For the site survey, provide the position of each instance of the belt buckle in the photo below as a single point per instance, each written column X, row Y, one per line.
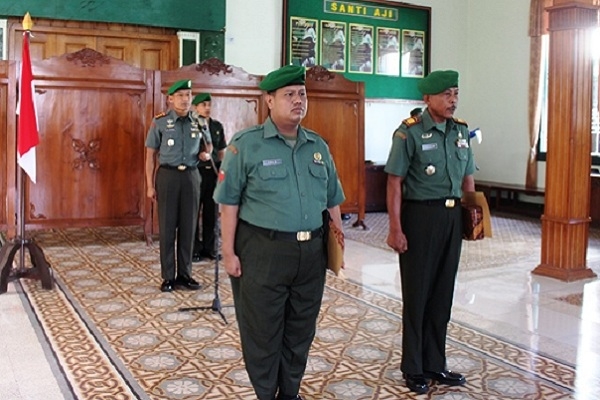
column 182, row 167
column 450, row 203
column 303, row 236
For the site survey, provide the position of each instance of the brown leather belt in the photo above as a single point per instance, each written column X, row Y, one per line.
column 300, row 236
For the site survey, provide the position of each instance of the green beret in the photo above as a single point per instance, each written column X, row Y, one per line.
column 200, row 98
column 183, row 84
column 284, row 76
column 438, row 81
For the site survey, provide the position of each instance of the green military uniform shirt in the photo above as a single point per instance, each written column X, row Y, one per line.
column 177, row 139
column 276, row 186
column 433, row 159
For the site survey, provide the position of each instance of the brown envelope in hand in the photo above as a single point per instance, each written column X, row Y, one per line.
column 474, row 200
column 335, row 245
column 335, row 249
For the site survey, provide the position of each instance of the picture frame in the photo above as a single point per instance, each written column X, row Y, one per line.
column 304, row 41
column 413, row 53
column 333, row 45
column 388, row 51
column 360, row 57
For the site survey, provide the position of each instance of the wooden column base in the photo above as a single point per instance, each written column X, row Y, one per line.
column 567, row 275
column 564, row 249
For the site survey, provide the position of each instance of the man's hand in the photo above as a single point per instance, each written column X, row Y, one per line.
column 232, row 265
column 397, row 241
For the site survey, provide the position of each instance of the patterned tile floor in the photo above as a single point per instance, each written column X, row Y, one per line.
column 108, row 332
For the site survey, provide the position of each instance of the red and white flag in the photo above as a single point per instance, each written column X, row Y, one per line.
column 27, row 133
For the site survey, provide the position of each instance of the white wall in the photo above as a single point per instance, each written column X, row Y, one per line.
column 486, row 41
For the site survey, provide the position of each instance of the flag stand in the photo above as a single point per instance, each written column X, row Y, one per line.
column 41, row 269
column 27, row 139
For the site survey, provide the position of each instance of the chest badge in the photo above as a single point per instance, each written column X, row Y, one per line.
column 427, row 135
column 430, row 169
column 170, row 124
column 317, row 158
column 170, row 142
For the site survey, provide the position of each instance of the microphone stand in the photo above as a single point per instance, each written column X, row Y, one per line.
column 216, row 303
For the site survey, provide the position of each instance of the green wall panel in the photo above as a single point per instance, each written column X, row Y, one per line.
column 195, row 15
column 375, row 14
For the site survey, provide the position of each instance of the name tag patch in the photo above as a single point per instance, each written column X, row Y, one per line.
column 269, row 163
column 429, row 146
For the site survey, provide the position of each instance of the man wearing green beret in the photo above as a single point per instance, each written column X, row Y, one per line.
column 209, row 169
column 275, row 183
column 175, row 138
column 429, row 167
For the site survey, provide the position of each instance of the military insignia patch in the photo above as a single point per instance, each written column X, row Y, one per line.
column 232, row 149
column 400, row 134
column 160, row 115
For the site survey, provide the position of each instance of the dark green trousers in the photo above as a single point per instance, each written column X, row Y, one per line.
column 428, row 271
column 178, row 197
column 277, row 301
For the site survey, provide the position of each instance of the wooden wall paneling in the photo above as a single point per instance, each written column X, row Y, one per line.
column 236, row 101
column 142, row 47
column 119, row 48
column 8, row 147
column 93, row 114
column 336, row 112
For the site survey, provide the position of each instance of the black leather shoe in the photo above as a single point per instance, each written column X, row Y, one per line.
column 188, row 283
column 446, row 378
column 167, row 286
column 196, row 257
column 416, row 383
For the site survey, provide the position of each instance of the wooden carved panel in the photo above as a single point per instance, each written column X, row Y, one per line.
column 143, row 47
column 93, row 112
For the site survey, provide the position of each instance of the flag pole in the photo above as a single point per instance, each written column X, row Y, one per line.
column 27, row 140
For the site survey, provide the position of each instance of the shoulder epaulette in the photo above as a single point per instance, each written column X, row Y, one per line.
column 460, row 121
column 160, row 115
column 411, row 121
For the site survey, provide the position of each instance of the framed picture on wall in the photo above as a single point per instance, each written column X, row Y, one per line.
column 303, row 41
column 333, row 45
column 388, row 51
column 3, row 39
column 413, row 53
column 360, row 59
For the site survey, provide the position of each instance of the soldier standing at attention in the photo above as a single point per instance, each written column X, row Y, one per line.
column 176, row 137
column 275, row 182
column 205, row 248
column 429, row 167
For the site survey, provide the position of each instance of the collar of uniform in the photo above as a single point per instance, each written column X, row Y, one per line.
column 270, row 130
column 174, row 115
column 428, row 122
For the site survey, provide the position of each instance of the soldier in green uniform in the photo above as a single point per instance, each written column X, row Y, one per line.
column 274, row 184
column 175, row 136
column 429, row 167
